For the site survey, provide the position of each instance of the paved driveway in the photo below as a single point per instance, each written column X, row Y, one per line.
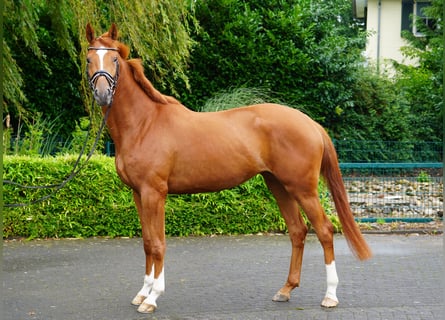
column 221, row 278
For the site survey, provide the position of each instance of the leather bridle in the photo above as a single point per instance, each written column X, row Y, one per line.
column 112, row 81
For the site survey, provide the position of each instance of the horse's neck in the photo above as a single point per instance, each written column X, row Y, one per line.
column 132, row 112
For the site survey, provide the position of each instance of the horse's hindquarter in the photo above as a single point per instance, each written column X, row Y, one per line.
column 220, row 150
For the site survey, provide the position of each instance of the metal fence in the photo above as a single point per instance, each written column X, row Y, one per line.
column 398, row 193
column 393, row 180
column 366, row 151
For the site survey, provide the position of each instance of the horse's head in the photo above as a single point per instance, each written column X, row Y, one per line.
column 103, row 64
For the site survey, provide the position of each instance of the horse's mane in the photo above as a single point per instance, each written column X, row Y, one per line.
column 138, row 71
column 139, row 76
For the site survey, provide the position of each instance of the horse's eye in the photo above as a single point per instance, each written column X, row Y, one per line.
column 115, row 59
column 88, row 60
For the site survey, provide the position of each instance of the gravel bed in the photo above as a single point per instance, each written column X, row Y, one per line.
column 433, row 227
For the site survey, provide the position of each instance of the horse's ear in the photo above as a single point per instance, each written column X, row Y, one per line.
column 112, row 33
column 90, row 33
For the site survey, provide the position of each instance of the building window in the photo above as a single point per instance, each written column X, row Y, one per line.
column 413, row 11
column 420, row 16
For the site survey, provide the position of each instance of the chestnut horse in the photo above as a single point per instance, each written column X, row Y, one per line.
column 163, row 147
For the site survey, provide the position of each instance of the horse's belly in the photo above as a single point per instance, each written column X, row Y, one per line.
column 202, row 178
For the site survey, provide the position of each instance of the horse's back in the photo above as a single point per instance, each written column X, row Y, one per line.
column 283, row 125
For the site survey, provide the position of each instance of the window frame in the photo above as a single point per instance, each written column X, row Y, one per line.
column 410, row 14
column 417, row 13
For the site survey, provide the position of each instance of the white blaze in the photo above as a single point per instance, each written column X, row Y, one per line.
column 101, row 53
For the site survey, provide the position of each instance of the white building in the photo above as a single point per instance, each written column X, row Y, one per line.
column 385, row 20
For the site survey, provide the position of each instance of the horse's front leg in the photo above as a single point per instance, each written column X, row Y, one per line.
column 150, row 207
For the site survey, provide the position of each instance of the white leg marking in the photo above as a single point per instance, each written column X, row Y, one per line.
column 148, row 284
column 332, row 281
column 157, row 289
column 146, row 289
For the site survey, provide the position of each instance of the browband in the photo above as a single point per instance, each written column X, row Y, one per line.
column 103, row 48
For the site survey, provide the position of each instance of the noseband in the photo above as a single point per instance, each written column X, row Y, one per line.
column 112, row 81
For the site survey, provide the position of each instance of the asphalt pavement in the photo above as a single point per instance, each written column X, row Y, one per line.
column 222, row 278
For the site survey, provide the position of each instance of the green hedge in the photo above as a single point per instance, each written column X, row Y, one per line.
column 97, row 203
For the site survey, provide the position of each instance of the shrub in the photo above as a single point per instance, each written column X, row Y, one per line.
column 97, row 203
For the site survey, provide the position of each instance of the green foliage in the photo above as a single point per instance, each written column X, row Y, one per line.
column 20, row 21
column 381, row 221
column 422, row 91
column 423, row 177
column 302, row 52
column 421, row 85
column 96, row 203
column 309, row 56
column 47, row 77
column 44, row 50
column 52, row 87
column 43, row 138
column 248, row 208
column 79, row 135
column 102, row 206
column 374, row 151
column 376, row 101
column 160, row 36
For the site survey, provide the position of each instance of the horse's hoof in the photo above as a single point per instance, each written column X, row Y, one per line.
column 280, row 297
column 137, row 301
column 146, row 308
column 329, row 303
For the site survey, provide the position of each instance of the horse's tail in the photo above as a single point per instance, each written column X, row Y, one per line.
column 330, row 170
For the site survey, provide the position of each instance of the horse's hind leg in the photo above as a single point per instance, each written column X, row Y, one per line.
column 297, row 232
column 325, row 232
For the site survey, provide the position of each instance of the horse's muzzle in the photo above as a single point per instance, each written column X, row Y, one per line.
column 104, row 85
column 104, row 98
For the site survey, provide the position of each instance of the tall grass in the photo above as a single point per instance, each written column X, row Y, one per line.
column 41, row 137
column 238, row 97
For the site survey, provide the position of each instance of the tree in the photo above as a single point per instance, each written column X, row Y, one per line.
column 304, row 52
column 309, row 55
column 41, row 35
column 421, row 85
column 379, row 113
column 20, row 22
